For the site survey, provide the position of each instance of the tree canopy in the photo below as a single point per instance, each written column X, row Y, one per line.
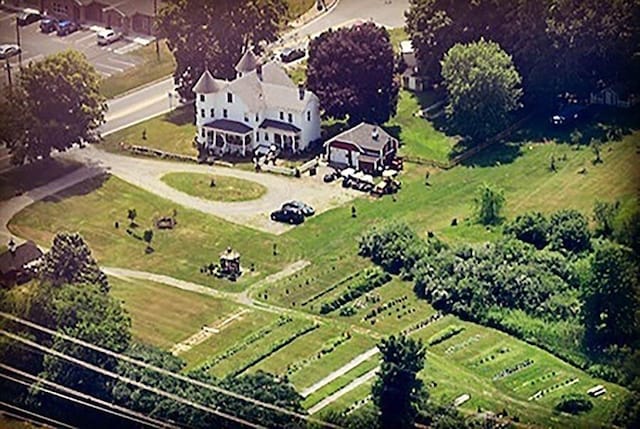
column 55, row 103
column 351, row 70
column 483, row 87
column 215, row 34
column 397, row 391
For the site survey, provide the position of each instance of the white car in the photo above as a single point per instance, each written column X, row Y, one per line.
column 108, row 36
column 8, row 50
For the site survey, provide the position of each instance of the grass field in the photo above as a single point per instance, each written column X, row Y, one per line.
column 149, row 69
column 226, row 188
column 298, row 7
column 93, row 207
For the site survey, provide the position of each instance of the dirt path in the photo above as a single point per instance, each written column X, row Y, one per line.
column 340, row 371
column 346, row 389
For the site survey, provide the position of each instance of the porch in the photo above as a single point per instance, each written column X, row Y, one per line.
column 224, row 136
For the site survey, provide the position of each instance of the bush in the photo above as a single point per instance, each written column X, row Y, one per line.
column 569, row 231
column 574, row 403
column 532, row 228
column 489, row 204
column 394, row 246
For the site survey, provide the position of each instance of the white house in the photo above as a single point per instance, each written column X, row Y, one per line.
column 262, row 106
column 364, row 147
column 411, row 78
column 617, row 96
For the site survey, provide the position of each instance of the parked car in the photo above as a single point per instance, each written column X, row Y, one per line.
column 108, row 36
column 67, row 27
column 330, row 177
column 292, row 54
column 304, row 208
column 8, row 51
column 288, row 215
column 48, row 24
column 29, row 16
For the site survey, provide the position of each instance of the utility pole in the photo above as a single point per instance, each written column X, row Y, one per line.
column 155, row 26
column 9, row 74
column 18, row 42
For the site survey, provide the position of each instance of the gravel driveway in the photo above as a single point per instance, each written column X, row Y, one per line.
column 146, row 174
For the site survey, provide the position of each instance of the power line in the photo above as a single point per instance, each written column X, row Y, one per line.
column 31, row 415
column 84, row 399
column 129, row 380
column 166, row 372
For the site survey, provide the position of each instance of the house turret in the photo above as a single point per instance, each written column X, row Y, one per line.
column 206, row 84
column 248, row 63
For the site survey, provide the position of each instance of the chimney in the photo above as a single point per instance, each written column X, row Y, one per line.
column 12, row 246
column 374, row 133
column 259, row 71
column 301, row 91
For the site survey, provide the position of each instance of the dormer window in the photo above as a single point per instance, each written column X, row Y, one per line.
column 229, row 97
column 202, row 98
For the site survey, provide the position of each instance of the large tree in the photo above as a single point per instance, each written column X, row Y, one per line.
column 612, row 298
column 483, row 87
column 352, row 72
column 57, row 102
column 214, row 34
column 397, row 391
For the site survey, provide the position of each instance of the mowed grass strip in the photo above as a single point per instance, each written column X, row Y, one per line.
column 162, row 315
column 216, row 188
column 93, row 207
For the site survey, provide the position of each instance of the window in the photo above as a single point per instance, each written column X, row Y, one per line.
column 225, row 113
column 213, row 112
column 309, row 115
column 266, row 137
column 202, row 98
column 290, row 117
column 202, row 132
column 246, row 118
column 258, row 136
column 257, row 117
column 229, row 97
column 282, row 116
column 202, row 112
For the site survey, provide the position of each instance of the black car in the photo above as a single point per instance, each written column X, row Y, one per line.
column 29, row 16
column 48, row 24
column 303, row 208
column 288, row 215
column 67, row 27
column 290, row 55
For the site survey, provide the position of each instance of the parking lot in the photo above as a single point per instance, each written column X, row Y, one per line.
column 107, row 60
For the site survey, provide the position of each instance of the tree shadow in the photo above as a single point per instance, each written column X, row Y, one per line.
column 497, row 154
column 183, row 115
column 85, row 187
column 33, row 175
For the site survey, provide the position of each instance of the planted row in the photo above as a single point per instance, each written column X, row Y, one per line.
column 443, row 336
column 275, row 347
column 238, row 347
column 513, row 369
column 384, row 307
column 371, row 279
column 331, row 288
column 422, row 324
column 540, row 393
column 326, row 349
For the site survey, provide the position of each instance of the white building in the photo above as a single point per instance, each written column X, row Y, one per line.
column 411, row 78
column 260, row 107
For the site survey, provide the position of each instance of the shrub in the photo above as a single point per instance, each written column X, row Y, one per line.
column 574, row 403
column 369, row 280
column 488, row 205
column 532, row 228
column 394, row 246
column 569, row 231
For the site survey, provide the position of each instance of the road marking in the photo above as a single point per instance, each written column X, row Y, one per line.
column 103, row 73
column 126, row 63
column 127, row 48
column 109, row 67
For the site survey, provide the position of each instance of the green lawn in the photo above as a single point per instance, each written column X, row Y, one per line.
column 162, row 315
column 149, row 69
column 170, row 132
column 226, row 188
column 298, row 7
column 30, row 176
column 93, row 207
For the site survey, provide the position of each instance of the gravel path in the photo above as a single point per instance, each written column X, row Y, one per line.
column 346, row 389
column 146, row 174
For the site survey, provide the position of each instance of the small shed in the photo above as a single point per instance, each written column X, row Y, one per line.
column 230, row 262
column 17, row 265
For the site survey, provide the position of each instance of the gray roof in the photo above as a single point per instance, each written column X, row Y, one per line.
column 362, row 136
column 248, row 62
column 229, row 125
column 207, row 84
column 21, row 256
column 274, row 90
column 284, row 126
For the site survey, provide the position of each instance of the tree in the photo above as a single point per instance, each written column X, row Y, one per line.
column 596, row 146
column 604, row 214
column 351, row 70
column 569, row 231
column 483, row 87
column 394, row 246
column 131, row 215
column 59, row 99
column 611, row 310
column 148, row 236
column 397, row 391
column 574, row 403
column 215, row 33
column 532, row 228
column 70, row 262
column 488, row 205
